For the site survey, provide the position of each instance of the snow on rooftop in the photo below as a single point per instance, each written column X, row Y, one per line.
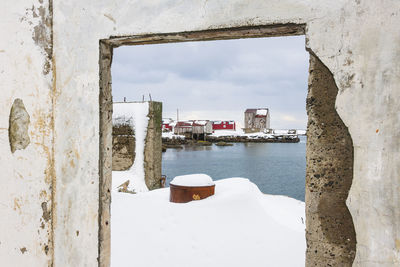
column 193, row 180
column 262, row 112
column 167, row 120
column 238, row 226
column 218, row 133
column 200, row 122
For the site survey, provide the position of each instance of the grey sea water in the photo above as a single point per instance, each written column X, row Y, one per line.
column 276, row 168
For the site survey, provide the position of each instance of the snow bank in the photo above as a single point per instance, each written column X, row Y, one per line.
column 193, row 180
column 238, row 226
column 220, row 133
column 135, row 114
column 171, row 135
column 256, row 135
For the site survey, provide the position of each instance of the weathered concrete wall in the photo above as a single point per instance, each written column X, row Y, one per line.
column 356, row 39
column 26, row 133
column 331, row 239
column 123, row 154
column 361, row 50
column 152, row 148
column 123, row 147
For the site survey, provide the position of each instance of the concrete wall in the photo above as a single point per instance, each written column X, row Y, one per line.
column 26, row 174
column 331, row 239
column 123, row 147
column 59, row 85
column 153, row 145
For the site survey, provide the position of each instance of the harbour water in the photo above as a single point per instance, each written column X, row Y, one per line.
column 276, row 168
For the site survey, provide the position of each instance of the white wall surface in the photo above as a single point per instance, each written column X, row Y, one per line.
column 25, row 175
column 358, row 41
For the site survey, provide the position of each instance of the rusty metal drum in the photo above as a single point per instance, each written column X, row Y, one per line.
column 187, row 188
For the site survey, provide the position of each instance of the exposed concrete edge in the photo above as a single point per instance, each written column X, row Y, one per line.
column 273, row 30
column 105, row 156
column 345, row 195
column 105, row 100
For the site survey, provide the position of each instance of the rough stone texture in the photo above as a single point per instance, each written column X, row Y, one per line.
column 123, row 154
column 153, row 144
column 330, row 231
column 18, row 127
column 103, row 239
column 123, row 147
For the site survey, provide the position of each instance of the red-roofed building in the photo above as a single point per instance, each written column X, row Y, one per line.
column 183, row 128
column 167, row 125
column 224, row 125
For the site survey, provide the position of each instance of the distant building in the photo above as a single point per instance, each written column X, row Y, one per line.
column 202, row 127
column 183, row 128
column 196, row 129
column 223, row 125
column 256, row 119
column 167, row 125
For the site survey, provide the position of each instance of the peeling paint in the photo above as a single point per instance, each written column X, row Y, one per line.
column 42, row 35
column 46, row 213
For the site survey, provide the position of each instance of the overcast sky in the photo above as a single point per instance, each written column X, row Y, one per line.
column 218, row 80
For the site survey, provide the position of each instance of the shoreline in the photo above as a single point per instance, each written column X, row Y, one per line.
column 209, row 140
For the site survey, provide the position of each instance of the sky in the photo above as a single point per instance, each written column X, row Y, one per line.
column 218, row 80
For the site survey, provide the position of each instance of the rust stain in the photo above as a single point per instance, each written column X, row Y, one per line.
column 23, row 250
column 377, row 131
column 72, row 163
column 29, row 60
column 196, row 197
column 397, row 241
column 43, row 194
column 18, row 174
column 76, row 153
column 17, row 204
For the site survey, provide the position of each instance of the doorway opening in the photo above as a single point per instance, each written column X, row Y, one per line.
column 324, row 182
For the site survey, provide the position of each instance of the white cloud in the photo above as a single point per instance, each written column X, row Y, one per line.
column 218, row 80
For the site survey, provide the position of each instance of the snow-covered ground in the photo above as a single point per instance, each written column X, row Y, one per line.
column 238, row 226
column 239, row 132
